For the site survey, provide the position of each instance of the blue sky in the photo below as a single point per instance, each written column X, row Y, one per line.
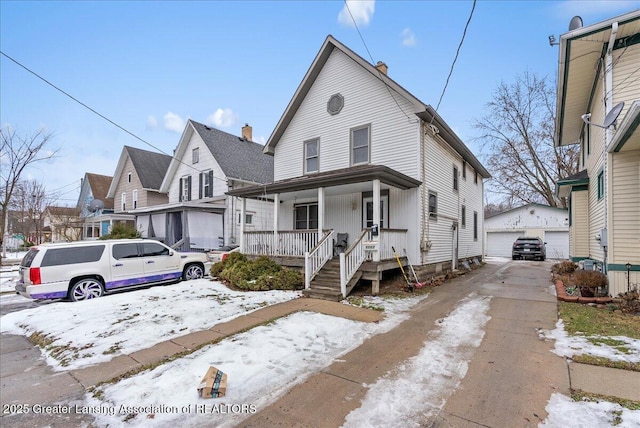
column 149, row 66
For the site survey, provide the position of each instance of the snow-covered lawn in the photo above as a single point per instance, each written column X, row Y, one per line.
column 93, row 331
column 568, row 346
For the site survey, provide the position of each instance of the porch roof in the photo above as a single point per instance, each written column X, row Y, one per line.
column 338, row 177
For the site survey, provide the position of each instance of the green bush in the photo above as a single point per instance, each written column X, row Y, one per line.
column 285, row 279
column 262, row 274
column 122, row 231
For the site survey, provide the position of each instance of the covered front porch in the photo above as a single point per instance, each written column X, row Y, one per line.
column 355, row 216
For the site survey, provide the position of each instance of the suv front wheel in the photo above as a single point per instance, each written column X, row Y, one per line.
column 193, row 271
column 86, row 288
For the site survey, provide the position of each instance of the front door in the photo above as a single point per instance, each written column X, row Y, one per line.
column 367, row 211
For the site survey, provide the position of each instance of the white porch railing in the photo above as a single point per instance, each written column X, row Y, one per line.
column 290, row 243
column 392, row 238
column 314, row 260
column 351, row 260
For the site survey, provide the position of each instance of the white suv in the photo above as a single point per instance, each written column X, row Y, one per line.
column 88, row 269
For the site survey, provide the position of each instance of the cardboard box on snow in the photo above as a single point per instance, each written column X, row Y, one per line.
column 213, row 384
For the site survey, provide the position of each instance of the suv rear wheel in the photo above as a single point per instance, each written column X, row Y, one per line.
column 85, row 288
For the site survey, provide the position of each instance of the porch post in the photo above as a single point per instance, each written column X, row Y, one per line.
column 376, row 217
column 276, row 211
column 243, row 210
column 320, row 212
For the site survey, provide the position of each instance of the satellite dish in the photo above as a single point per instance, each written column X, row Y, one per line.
column 95, row 205
column 609, row 119
column 575, row 23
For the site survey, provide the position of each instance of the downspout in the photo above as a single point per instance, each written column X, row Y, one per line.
column 608, row 87
column 425, row 202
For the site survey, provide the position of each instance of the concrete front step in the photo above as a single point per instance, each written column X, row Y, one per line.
column 335, row 296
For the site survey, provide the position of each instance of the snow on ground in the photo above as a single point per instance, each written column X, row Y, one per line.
column 97, row 330
column 564, row 412
column 410, row 395
column 8, row 278
column 261, row 365
column 568, row 346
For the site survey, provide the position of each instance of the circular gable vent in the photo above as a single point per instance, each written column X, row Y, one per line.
column 335, row 104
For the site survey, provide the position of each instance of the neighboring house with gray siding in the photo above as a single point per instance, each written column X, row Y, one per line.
column 207, row 163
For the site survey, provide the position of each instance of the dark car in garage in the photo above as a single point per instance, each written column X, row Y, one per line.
column 529, row 248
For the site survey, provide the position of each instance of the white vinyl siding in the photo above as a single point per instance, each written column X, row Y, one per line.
column 625, row 213
column 625, row 80
column 394, row 138
column 579, row 231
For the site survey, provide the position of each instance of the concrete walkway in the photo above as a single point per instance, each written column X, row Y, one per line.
column 508, row 383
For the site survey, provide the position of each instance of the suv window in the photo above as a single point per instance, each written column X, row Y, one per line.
column 65, row 256
column 150, row 249
column 534, row 241
column 28, row 258
column 125, row 251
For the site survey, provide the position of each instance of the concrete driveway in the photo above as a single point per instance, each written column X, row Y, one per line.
column 508, row 383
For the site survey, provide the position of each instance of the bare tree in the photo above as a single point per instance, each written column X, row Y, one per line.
column 517, row 131
column 17, row 152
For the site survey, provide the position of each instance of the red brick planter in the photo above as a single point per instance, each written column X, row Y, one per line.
column 562, row 296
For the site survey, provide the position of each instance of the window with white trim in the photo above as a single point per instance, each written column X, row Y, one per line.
column 311, row 156
column 455, row 178
column 129, row 178
column 463, row 216
column 433, row 205
column 124, row 201
column 195, row 155
column 135, row 199
column 184, row 192
column 305, row 216
column 360, row 145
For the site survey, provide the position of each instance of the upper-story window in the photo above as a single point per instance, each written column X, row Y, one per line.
column 311, row 155
column 464, row 170
column 455, row 177
column 475, row 178
column 433, row 205
column 129, row 178
column 195, row 155
column 135, row 199
column 206, row 184
column 360, row 144
column 601, row 187
column 185, row 189
column 463, row 216
column 124, row 201
column 475, row 225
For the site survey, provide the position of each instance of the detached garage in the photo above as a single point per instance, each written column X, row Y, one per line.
column 532, row 220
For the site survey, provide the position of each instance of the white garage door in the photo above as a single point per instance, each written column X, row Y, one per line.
column 557, row 244
column 499, row 244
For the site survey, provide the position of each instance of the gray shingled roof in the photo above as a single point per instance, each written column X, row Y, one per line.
column 99, row 185
column 238, row 158
column 150, row 166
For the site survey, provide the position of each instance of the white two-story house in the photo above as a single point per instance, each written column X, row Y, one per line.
column 207, row 163
column 598, row 107
column 362, row 167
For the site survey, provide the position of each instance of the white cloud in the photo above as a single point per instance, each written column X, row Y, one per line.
column 173, row 122
column 152, row 122
column 361, row 10
column 260, row 140
column 408, row 38
column 222, row 118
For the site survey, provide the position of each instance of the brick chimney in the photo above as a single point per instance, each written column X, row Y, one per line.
column 382, row 67
column 247, row 132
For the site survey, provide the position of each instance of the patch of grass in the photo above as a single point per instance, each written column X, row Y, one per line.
column 579, row 395
column 605, row 362
column 619, row 345
column 41, row 339
column 359, row 302
column 113, row 349
column 130, row 317
column 592, row 321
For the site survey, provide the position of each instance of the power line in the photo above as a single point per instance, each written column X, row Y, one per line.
column 99, row 114
column 372, row 61
column 464, row 33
